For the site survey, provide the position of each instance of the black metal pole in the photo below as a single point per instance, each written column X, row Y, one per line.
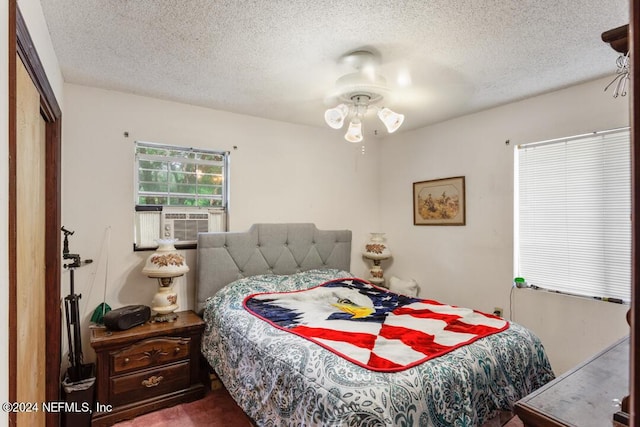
column 73, row 322
column 67, row 309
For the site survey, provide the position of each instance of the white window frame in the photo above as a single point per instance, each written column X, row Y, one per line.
column 572, row 207
column 152, row 221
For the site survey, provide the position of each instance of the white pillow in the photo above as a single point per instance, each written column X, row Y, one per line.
column 404, row 287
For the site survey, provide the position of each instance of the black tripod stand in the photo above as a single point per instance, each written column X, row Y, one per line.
column 77, row 371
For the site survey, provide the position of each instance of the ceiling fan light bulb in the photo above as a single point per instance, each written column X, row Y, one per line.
column 354, row 133
column 335, row 116
column 390, row 119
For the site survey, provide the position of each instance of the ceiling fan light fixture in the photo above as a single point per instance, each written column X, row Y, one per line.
column 354, row 133
column 359, row 91
column 335, row 116
column 391, row 119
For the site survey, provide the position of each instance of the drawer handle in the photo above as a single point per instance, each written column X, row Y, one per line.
column 126, row 360
column 152, row 381
column 177, row 350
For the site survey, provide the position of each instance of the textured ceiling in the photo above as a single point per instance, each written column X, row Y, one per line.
column 280, row 59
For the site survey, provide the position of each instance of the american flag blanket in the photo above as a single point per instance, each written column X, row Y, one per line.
column 372, row 327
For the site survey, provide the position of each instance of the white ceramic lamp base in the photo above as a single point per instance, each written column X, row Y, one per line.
column 164, row 303
column 376, row 273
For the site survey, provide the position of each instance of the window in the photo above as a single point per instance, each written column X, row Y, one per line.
column 179, row 192
column 573, row 215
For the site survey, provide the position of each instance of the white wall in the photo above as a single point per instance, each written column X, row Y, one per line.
column 472, row 265
column 279, row 173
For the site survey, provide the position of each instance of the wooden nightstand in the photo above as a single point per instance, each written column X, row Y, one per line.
column 146, row 368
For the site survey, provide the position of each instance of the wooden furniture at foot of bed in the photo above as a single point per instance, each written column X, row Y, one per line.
column 584, row 396
column 146, row 368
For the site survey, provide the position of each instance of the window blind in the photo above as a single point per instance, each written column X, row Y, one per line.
column 573, row 209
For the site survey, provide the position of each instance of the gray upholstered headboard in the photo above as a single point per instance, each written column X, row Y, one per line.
column 266, row 249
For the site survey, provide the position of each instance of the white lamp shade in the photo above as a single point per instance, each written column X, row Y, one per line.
column 390, row 119
column 376, row 248
column 354, row 133
column 335, row 116
column 165, row 261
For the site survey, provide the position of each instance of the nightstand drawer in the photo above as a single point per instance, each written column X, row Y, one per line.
column 149, row 353
column 150, row 383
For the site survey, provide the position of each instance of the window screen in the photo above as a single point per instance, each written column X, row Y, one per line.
column 573, row 215
column 179, row 192
column 178, row 176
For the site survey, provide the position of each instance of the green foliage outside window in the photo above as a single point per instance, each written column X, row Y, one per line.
column 172, row 176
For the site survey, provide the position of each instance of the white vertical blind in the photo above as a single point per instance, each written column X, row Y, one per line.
column 147, row 229
column 573, row 207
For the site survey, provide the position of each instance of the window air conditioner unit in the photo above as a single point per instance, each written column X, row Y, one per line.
column 182, row 224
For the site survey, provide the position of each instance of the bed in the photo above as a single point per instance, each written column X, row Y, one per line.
column 279, row 378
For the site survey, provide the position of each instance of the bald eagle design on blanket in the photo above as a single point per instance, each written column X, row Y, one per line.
column 372, row 327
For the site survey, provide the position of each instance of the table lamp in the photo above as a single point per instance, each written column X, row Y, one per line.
column 165, row 264
column 376, row 249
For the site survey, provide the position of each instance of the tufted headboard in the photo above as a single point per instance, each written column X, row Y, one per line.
column 266, row 249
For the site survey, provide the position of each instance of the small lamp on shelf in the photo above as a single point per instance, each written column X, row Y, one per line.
column 165, row 264
column 376, row 250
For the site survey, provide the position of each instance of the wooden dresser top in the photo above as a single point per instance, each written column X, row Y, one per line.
column 583, row 396
column 187, row 322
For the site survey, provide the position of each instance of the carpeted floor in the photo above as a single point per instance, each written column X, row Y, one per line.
column 514, row 422
column 216, row 409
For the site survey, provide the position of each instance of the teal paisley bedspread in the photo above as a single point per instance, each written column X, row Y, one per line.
column 281, row 379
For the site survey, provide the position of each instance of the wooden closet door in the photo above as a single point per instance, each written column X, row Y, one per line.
column 30, row 248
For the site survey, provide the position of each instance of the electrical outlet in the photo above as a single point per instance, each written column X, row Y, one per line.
column 497, row 311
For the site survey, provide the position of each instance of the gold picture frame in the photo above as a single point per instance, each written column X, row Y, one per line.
column 439, row 202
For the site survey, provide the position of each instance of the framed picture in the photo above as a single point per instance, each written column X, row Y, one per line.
column 439, row 202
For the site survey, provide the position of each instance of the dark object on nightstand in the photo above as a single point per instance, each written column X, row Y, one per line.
column 127, row 317
column 146, row 368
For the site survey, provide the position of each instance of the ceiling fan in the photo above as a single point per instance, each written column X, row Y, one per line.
column 359, row 92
